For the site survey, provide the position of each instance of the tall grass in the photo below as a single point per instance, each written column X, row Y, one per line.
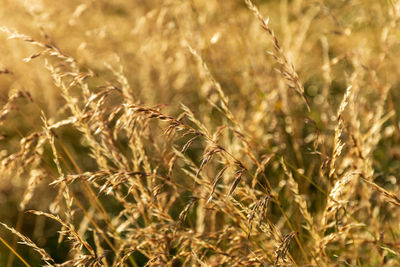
column 199, row 133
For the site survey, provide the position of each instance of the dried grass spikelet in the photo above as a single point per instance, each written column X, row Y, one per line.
column 110, row 149
column 301, row 202
column 124, row 251
column 236, row 181
column 286, row 67
column 142, row 158
column 337, row 144
column 189, row 143
column 126, row 90
column 48, row 49
column 63, row 187
column 178, row 125
column 10, row 104
column 205, row 71
column 281, row 251
column 174, row 124
column 31, row 147
column 84, row 260
column 209, row 153
column 106, row 181
column 390, row 197
column 215, row 182
column 99, row 250
column 28, row 242
column 184, row 212
column 201, row 127
column 193, row 167
column 212, row 149
column 28, row 158
column 261, row 167
column 338, row 196
column 368, row 141
column 99, row 150
column 261, row 205
column 342, row 232
column 77, row 241
column 35, row 176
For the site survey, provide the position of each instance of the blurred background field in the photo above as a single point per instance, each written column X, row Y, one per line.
column 188, row 133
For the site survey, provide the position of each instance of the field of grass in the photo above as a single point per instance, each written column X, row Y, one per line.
column 199, row 133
